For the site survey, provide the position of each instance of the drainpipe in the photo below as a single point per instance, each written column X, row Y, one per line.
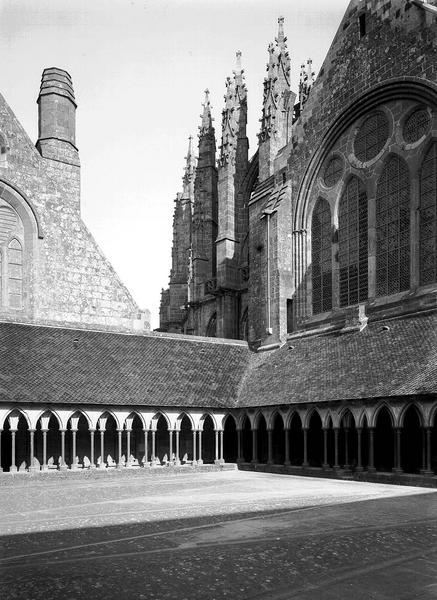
column 269, row 322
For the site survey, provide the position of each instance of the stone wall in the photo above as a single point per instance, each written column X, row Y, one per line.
column 72, row 282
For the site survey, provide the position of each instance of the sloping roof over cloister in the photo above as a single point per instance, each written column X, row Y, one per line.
column 396, row 357
column 52, row 365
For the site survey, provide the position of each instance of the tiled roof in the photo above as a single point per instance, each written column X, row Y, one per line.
column 376, row 362
column 42, row 364
column 48, row 365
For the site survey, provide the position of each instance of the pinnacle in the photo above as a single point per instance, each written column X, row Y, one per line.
column 206, row 115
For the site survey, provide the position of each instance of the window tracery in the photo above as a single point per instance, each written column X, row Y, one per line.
column 352, row 243
column 321, row 257
column 417, row 125
column 428, row 218
column 393, row 228
column 371, row 136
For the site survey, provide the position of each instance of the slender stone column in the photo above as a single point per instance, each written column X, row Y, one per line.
column 92, row 465
column 13, row 465
column 178, row 460
column 287, row 447
column 102, row 449
column 128, row 447
column 305, row 447
column 371, row 465
column 269, row 447
column 222, row 460
column 44, row 450
column 336, row 465
column 153, row 444
column 194, row 447
column 146, row 447
column 325, row 448
column 397, row 457
column 216, row 445
column 32, row 449
column 73, row 465
column 200, row 460
column 170, row 445
column 254, row 446
column 240, row 457
column 119, row 434
column 63, row 465
column 359, row 459
column 346, row 448
column 1, row 468
column 429, row 470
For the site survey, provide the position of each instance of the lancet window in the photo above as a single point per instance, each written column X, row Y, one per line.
column 428, row 217
column 321, row 257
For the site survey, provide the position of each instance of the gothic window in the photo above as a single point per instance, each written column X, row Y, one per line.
column 428, row 217
column 417, row 125
column 11, row 258
column 393, row 228
column 15, row 274
column 321, row 257
column 371, row 136
column 352, row 243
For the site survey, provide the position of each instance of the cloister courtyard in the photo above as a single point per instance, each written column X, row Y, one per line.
column 211, row 533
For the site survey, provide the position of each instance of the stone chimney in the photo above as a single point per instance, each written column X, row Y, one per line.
column 57, row 117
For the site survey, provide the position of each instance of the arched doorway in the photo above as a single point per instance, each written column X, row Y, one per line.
column 411, row 442
column 246, row 434
column 262, row 442
column 315, row 441
column 296, row 440
column 230, row 440
column 347, row 441
column 384, row 441
column 208, row 440
column 161, row 439
column 278, row 440
column 137, row 449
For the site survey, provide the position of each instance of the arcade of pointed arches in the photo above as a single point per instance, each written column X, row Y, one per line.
column 385, row 436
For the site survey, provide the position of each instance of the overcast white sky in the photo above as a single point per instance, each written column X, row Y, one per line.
column 139, row 69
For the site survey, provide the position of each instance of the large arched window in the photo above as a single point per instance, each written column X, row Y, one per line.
column 428, row 217
column 352, row 243
column 321, row 257
column 393, row 228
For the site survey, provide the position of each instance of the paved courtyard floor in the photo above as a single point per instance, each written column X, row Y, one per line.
column 215, row 535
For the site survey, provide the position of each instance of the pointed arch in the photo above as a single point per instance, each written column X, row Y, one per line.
column 374, row 417
column 352, row 243
column 393, row 228
column 428, row 217
column 405, row 409
column 321, row 257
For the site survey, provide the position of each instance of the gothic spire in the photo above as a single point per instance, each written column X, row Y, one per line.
column 276, row 84
column 190, row 168
column 232, row 115
column 206, row 115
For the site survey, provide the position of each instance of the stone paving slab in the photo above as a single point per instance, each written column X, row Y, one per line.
column 217, row 535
